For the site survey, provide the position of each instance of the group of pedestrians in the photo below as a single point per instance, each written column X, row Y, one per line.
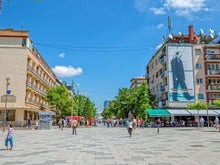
column 73, row 124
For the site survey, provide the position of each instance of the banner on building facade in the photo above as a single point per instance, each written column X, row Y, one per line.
column 181, row 78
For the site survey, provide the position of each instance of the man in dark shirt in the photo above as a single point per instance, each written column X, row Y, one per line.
column 179, row 77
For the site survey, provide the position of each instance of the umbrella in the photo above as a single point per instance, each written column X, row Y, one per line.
column 91, row 118
column 74, row 117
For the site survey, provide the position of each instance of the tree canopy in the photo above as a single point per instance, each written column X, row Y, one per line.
column 134, row 99
column 60, row 99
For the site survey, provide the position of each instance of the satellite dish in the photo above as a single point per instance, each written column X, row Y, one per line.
column 170, row 36
column 211, row 31
column 180, row 33
column 201, row 30
column 211, row 35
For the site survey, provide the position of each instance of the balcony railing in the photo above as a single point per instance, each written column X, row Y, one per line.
column 163, row 74
column 214, row 87
column 37, row 103
column 29, row 67
column 213, row 72
column 163, row 88
column 212, row 57
column 37, row 89
column 162, row 60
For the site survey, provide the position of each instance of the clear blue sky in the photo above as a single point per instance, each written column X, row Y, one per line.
column 110, row 40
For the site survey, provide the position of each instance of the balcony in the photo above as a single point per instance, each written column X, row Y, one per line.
column 163, row 74
column 215, row 72
column 162, row 59
column 37, row 103
column 214, row 87
column 213, row 57
column 29, row 67
column 163, row 88
column 37, row 89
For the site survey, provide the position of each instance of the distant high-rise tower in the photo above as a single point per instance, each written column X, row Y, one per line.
column 106, row 103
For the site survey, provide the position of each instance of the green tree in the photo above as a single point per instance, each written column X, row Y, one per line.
column 217, row 103
column 197, row 106
column 134, row 99
column 59, row 98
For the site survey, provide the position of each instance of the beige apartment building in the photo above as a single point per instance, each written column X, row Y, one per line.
column 137, row 81
column 29, row 77
column 186, row 68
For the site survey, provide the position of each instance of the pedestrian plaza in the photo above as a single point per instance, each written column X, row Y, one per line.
column 113, row 146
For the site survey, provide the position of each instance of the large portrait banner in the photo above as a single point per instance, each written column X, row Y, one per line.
column 181, row 78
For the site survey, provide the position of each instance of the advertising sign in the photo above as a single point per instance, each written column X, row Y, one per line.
column 181, row 79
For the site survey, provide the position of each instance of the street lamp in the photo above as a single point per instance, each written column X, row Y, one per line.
column 6, row 97
column 72, row 98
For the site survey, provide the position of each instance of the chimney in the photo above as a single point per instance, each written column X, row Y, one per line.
column 191, row 33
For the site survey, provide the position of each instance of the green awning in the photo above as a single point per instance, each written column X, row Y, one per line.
column 158, row 113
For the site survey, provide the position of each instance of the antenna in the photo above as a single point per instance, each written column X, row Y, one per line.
column 169, row 24
column 22, row 25
column 170, row 36
column 163, row 39
column 211, row 31
column 201, row 31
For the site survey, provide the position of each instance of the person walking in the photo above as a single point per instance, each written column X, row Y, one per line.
column 108, row 121
column 216, row 122
column 59, row 123
column 74, row 125
column 29, row 122
column 135, row 123
column 62, row 123
column 130, row 126
column 202, row 121
column 36, row 124
column 9, row 137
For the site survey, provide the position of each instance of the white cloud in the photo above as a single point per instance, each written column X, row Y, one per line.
column 141, row 5
column 181, row 7
column 63, row 71
column 158, row 11
column 61, row 55
column 184, row 7
column 158, row 46
column 160, row 26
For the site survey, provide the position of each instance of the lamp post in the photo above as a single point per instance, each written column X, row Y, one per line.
column 6, row 97
column 72, row 98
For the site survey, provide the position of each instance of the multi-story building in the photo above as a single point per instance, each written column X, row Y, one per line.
column 137, row 81
column 186, row 68
column 106, row 103
column 29, row 77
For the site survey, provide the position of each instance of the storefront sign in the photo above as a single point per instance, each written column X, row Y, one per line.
column 10, row 98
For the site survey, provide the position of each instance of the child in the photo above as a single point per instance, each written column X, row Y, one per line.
column 9, row 137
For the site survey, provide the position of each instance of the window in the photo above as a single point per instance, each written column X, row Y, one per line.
column 156, row 74
column 24, row 42
column 199, row 81
column 158, row 87
column 200, row 96
column 198, row 51
column 198, row 66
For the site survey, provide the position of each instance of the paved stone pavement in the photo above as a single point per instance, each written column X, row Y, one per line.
column 113, row 146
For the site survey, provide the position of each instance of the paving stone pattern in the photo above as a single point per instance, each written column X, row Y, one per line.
column 113, row 146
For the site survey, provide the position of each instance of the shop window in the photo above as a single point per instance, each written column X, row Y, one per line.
column 10, row 115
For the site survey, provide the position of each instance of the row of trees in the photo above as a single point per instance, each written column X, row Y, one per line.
column 60, row 99
column 136, row 100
